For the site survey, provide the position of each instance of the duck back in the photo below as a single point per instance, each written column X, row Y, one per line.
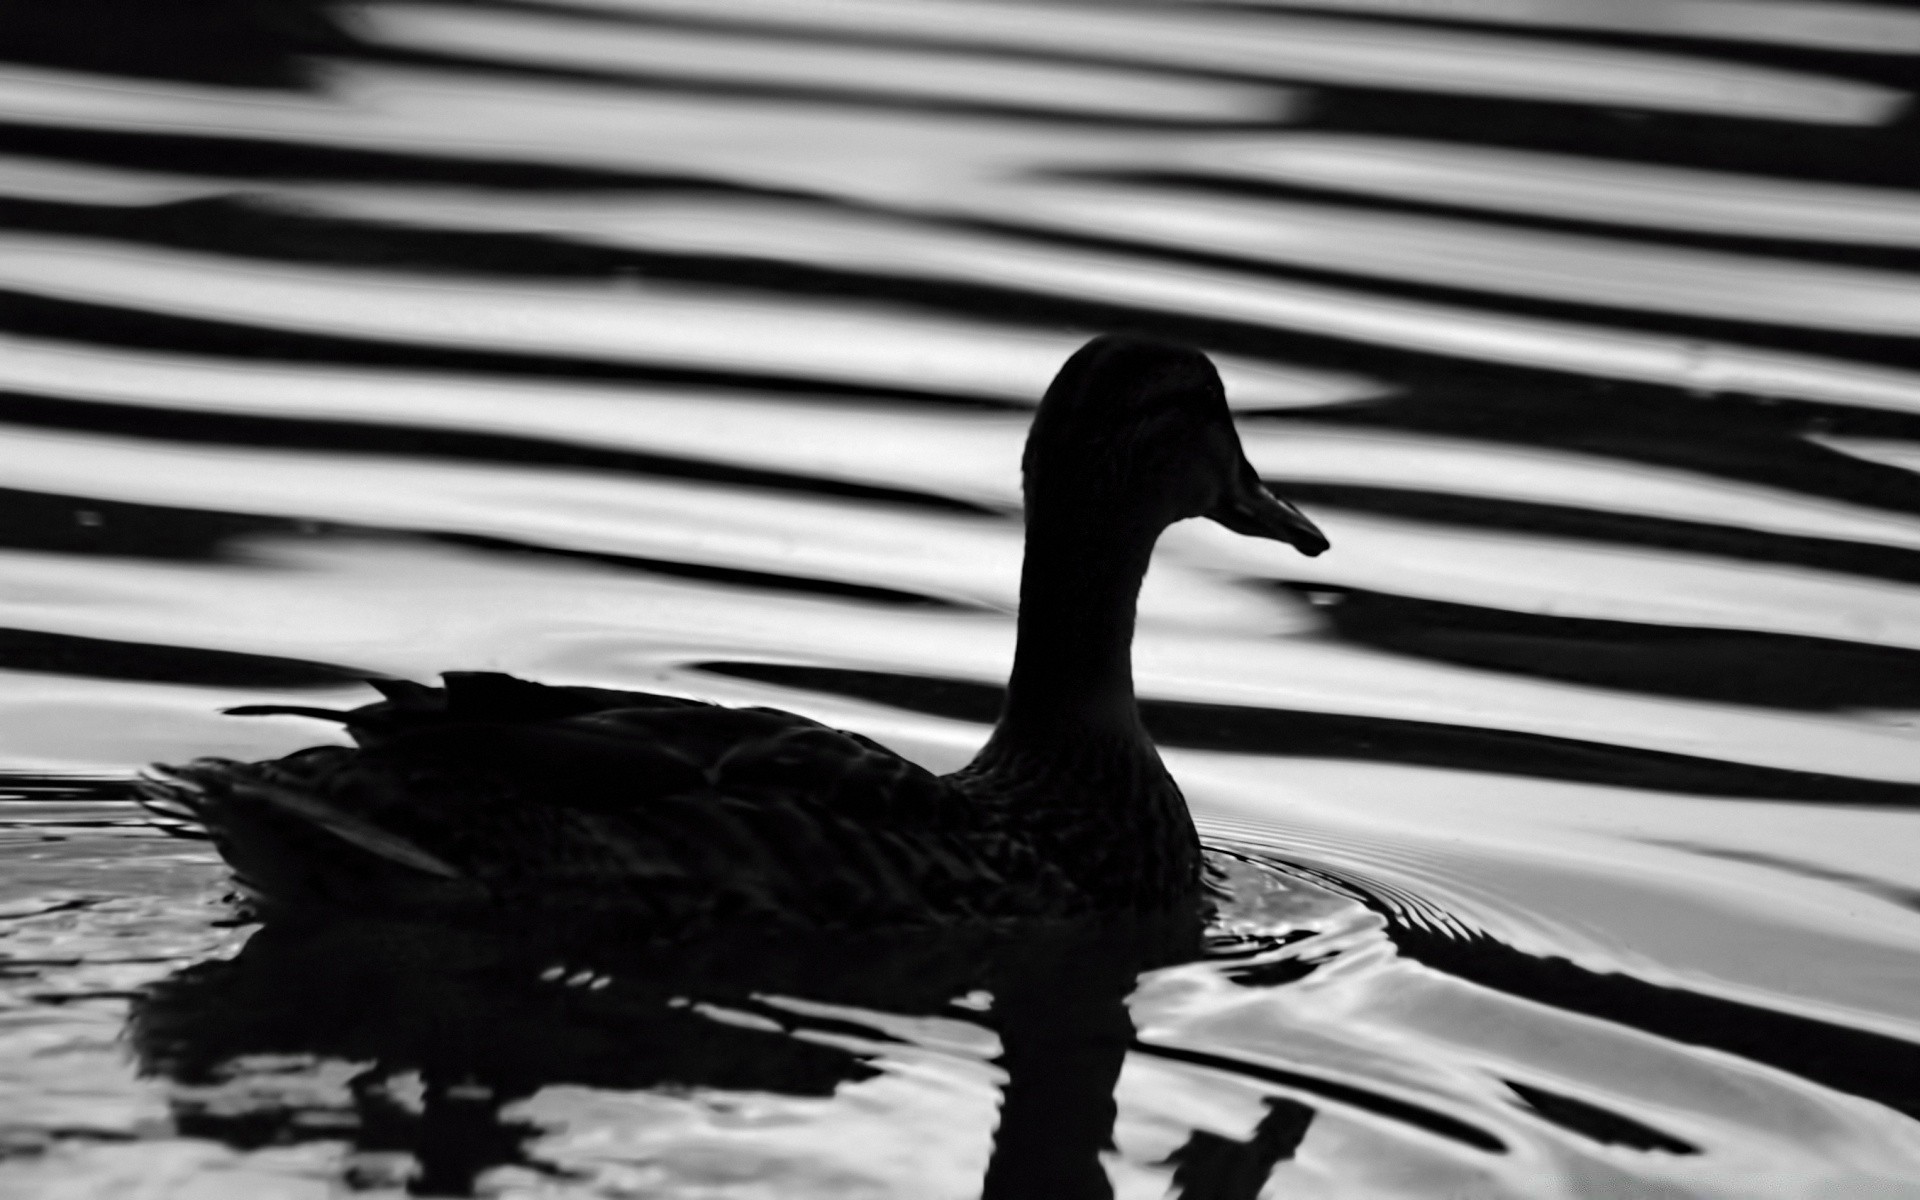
column 495, row 796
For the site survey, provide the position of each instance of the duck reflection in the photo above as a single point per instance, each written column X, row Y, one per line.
column 484, row 1018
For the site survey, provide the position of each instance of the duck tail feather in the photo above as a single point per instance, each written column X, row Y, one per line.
column 195, row 797
column 356, row 831
column 176, row 804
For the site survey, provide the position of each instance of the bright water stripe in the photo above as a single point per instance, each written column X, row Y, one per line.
column 638, row 322
column 923, row 250
column 1567, row 186
column 28, row 178
column 1318, row 50
column 888, row 73
column 419, row 610
column 1823, row 24
column 970, row 455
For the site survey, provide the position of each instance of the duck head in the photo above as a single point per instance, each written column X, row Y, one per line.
column 1134, row 434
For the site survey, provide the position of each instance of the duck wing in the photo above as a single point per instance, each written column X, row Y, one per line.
column 495, row 795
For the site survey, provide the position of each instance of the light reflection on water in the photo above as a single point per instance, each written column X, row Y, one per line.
column 653, row 344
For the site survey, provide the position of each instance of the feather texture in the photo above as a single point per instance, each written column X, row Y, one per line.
column 496, row 793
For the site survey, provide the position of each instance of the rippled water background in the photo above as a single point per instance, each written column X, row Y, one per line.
column 605, row 341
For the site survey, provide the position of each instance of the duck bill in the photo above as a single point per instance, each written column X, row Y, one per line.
column 1249, row 508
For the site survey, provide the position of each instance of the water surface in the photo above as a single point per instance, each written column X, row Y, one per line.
column 1569, row 802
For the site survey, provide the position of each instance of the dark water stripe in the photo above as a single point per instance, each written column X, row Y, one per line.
column 146, row 662
column 1732, row 666
column 1239, row 729
column 1875, row 155
column 195, row 427
column 17, row 785
column 238, row 43
column 1819, row 251
column 735, row 576
column 1595, row 1123
column 243, row 227
column 235, row 156
column 83, row 526
column 1392, row 1108
column 1884, row 889
column 1864, row 559
column 59, row 524
column 112, row 325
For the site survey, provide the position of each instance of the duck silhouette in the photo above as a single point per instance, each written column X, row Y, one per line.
column 493, row 796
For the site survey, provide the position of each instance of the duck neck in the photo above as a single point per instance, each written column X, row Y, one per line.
column 1072, row 667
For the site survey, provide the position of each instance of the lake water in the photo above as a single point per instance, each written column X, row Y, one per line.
column 1572, row 800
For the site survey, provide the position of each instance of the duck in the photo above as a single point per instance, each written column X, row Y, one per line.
column 493, row 797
